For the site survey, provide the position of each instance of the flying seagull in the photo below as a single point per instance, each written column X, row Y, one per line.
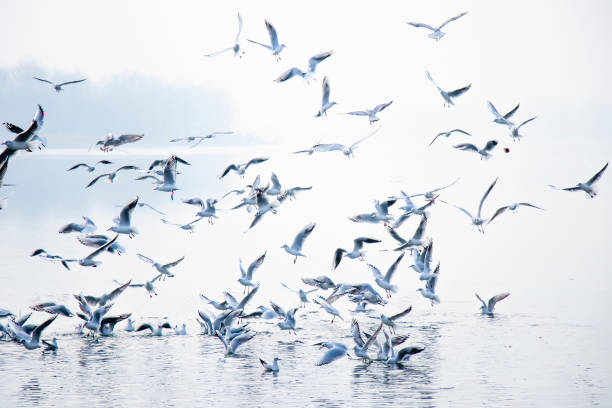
column 161, row 268
column 296, row 248
column 312, row 66
column 436, row 33
column 123, row 223
column 511, row 207
column 448, row 96
column 477, row 220
column 23, row 139
column 485, row 152
column 242, row 168
column 235, row 47
column 274, row 46
column 502, row 119
column 110, row 177
column 587, row 186
column 325, row 103
column 514, row 130
column 58, row 87
column 88, row 167
column 199, row 139
column 110, row 142
column 447, row 134
column 371, row 113
column 355, row 253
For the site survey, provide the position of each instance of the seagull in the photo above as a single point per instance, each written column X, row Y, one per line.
column 148, row 285
column 207, row 210
column 346, row 150
column 30, row 341
column 169, row 184
column 110, row 177
column 478, row 221
column 488, row 308
column 334, row 352
column 107, row 324
column 23, row 140
column 430, row 195
column 511, row 207
column 355, row 253
column 52, row 308
column 96, row 241
column 485, row 152
column 242, row 168
column 89, row 259
column 384, row 281
column 448, row 96
column 514, row 132
column 155, row 331
column 325, row 103
column 161, row 268
column 110, row 142
column 502, row 120
column 321, row 282
column 276, row 188
column 34, row 137
column 436, row 33
column 447, row 134
column 361, row 347
column 275, row 47
column 296, row 248
column 263, row 207
column 199, row 139
column 402, row 355
column 186, row 227
column 103, row 299
column 312, row 66
column 371, row 113
column 58, row 87
column 430, row 287
column 270, row 367
column 246, row 277
column 124, row 221
column 291, row 193
column 381, row 214
column 86, row 227
column 235, row 47
column 415, row 241
column 301, row 293
column 88, row 167
column 232, row 344
column 41, row 253
column 233, row 304
column 587, row 186
column 390, row 321
column 321, row 301
column 92, row 317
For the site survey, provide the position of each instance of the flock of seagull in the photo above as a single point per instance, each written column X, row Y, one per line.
column 229, row 320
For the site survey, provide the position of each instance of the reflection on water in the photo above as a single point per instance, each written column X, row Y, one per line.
column 512, row 359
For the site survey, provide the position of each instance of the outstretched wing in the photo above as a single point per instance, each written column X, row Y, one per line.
column 302, row 235
column 401, row 314
column 490, row 145
column 368, row 136
column 258, row 43
column 494, row 110
column 214, row 54
column 254, row 265
column 428, row 75
column 12, row 128
column 256, row 160
column 393, row 267
column 126, row 213
column 290, row 73
column 44, row 80
column 173, row 264
column 525, row 122
column 423, row 25
column 382, row 106
column 72, row 82
column 272, row 34
column 597, row 176
column 418, row 234
column 481, row 301
column 499, row 211
column 325, row 99
column 375, row 271
column 460, row 91
column 239, row 27
column 356, row 333
column 452, row 19
column 466, row 147
column 315, row 59
column 95, row 180
column 227, row 170
column 484, row 197
column 395, row 235
column 496, row 299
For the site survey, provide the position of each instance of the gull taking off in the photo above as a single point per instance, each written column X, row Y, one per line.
column 371, row 113
column 384, row 281
column 448, row 96
column 58, row 87
column 274, row 46
column 312, row 66
column 514, row 131
column 235, row 47
column 296, row 248
column 488, row 308
column 246, row 277
column 436, row 32
column 588, row 186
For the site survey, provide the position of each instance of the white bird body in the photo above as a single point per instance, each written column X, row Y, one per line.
column 124, row 221
column 270, row 367
column 448, row 96
column 236, row 47
column 274, row 46
column 296, row 247
column 371, row 113
column 588, row 186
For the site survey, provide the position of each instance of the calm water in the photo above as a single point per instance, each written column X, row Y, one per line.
column 547, row 346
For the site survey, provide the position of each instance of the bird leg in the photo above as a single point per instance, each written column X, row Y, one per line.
column 294, row 259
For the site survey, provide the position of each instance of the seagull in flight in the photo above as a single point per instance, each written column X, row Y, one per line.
column 148, row 285
column 485, row 152
column 123, row 223
column 371, row 113
column 186, row 227
column 105, row 298
column 514, row 132
column 312, row 66
column 448, row 96
column 207, row 210
column 355, row 253
column 274, row 46
column 430, row 287
column 88, row 167
column 235, row 47
column 416, row 240
column 41, row 253
column 169, row 184
column 110, row 142
column 303, row 294
column 58, row 87
column 512, row 207
column 334, row 352
column 110, row 177
column 430, row 195
column 86, row 227
column 488, row 308
column 242, row 168
column 321, row 301
column 199, row 139
column 97, row 240
column 384, row 281
column 588, row 186
column 477, row 220
column 161, row 268
column 348, row 151
column 502, row 119
column 436, row 32
column 23, row 139
column 246, row 277
column 30, row 341
column 325, row 103
column 447, row 134
column 89, row 259
column 296, row 247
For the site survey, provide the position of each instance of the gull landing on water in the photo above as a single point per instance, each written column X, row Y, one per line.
column 436, row 33
column 588, row 186
column 448, row 96
column 236, row 47
column 58, row 87
column 371, row 113
column 275, row 47
column 296, row 248
column 488, row 308
column 312, row 66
